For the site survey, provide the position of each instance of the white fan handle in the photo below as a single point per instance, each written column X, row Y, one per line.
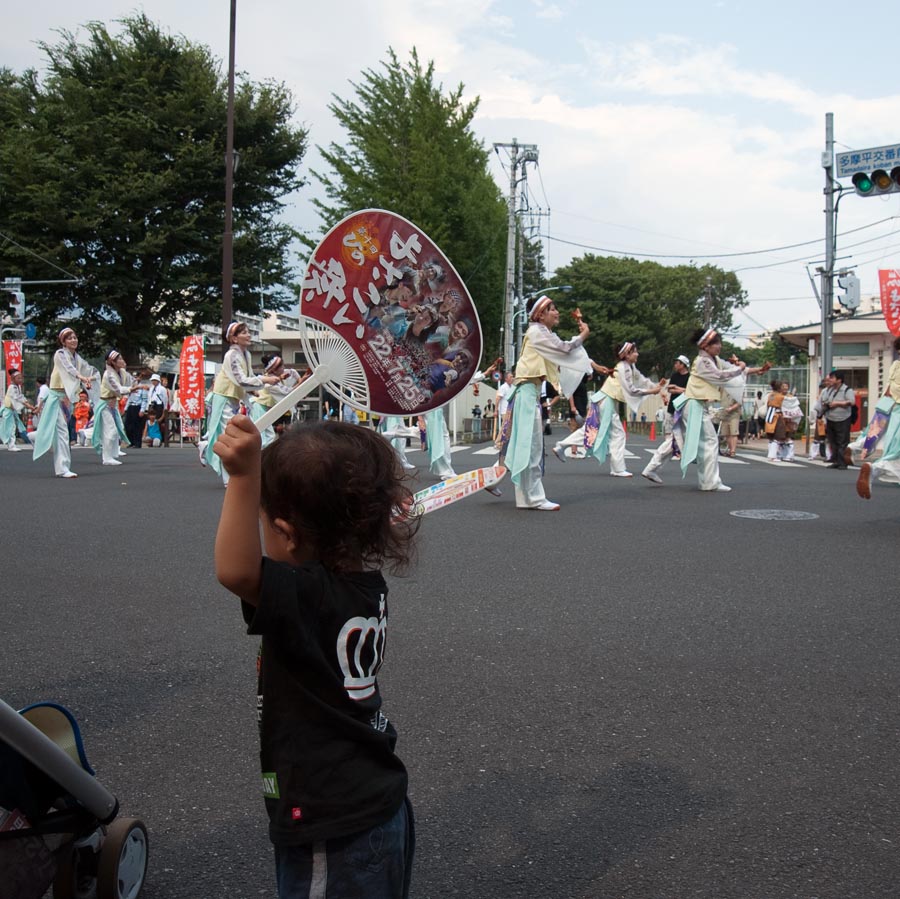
column 319, row 376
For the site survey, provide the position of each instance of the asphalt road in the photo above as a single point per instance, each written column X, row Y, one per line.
column 641, row 695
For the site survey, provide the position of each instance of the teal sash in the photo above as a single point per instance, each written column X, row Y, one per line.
column 10, row 424
column 99, row 419
column 434, row 423
column 518, row 450
column 598, row 444
column 892, row 437
column 214, row 429
column 693, row 414
column 46, row 429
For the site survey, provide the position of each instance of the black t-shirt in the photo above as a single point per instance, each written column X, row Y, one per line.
column 580, row 397
column 326, row 749
column 677, row 380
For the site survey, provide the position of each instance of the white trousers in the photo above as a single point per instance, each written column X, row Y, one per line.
column 530, row 489
column 109, row 448
column 442, row 466
column 616, row 443
column 708, row 453
column 666, row 449
column 62, row 452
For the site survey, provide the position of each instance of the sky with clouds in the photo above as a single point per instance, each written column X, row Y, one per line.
column 667, row 131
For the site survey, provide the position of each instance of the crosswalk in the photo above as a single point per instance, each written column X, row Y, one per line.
column 741, row 458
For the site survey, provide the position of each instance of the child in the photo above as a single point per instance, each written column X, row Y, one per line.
column 327, row 495
column 152, row 430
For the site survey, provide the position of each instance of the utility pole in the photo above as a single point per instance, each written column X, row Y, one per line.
column 228, row 237
column 707, row 304
column 827, row 273
column 519, row 155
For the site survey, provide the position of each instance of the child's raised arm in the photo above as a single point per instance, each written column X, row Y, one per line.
column 238, row 545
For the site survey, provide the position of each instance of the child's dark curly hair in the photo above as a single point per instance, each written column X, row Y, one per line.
column 342, row 489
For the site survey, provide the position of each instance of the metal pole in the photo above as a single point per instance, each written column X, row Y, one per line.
column 228, row 240
column 707, row 304
column 828, row 271
column 509, row 350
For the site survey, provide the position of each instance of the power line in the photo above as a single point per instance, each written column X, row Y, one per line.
column 36, row 256
column 793, row 246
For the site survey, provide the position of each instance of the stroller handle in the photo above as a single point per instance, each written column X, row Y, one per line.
column 42, row 752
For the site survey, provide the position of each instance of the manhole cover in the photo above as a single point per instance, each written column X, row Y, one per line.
column 774, row 514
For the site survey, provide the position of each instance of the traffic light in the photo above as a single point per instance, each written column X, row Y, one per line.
column 16, row 299
column 849, row 299
column 879, row 182
column 18, row 307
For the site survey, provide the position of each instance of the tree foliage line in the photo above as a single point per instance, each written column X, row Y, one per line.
column 112, row 171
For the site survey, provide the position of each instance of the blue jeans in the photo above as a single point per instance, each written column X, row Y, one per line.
column 375, row 864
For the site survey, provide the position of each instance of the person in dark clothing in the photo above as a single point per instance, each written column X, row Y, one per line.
column 334, row 508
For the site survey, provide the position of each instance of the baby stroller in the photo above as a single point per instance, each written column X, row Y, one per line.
column 57, row 824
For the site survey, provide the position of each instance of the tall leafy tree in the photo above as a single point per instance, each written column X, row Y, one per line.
column 654, row 305
column 113, row 169
column 410, row 149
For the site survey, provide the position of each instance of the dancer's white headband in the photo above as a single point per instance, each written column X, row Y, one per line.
column 708, row 336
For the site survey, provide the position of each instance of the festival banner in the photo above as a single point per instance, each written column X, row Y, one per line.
column 191, row 384
column 12, row 355
column 379, row 282
column 889, row 282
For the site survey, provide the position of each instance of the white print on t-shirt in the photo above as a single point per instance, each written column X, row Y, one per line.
column 360, row 649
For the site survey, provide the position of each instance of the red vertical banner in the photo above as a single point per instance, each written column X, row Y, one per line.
column 191, row 384
column 12, row 355
column 889, row 283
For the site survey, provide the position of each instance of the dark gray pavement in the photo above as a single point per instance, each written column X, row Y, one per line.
column 641, row 695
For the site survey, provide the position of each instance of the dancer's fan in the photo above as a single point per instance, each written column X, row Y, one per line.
column 397, row 331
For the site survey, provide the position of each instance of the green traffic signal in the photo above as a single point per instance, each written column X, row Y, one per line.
column 863, row 183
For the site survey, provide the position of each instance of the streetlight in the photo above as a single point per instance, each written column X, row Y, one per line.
column 521, row 311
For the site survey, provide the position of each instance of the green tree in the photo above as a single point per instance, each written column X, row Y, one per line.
column 656, row 306
column 410, row 150
column 113, row 169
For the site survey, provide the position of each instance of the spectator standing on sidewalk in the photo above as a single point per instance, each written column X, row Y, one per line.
column 136, row 410
column 835, row 404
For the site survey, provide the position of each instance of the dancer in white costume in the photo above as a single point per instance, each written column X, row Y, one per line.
column 563, row 363
column 673, row 430
column 576, row 438
column 233, row 380
column 71, row 374
column 14, row 404
column 393, row 429
column 709, row 374
column 628, row 386
column 109, row 429
column 273, row 393
column 439, row 453
column 887, row 468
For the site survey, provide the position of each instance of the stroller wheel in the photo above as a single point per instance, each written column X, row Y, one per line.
column 123, row 860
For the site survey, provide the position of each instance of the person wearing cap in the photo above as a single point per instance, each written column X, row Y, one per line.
column 709, row 374
column 158, row 401
column 70, row 375
column 109, row 429
column 604, row 428
column 673, row 431
column 14, row 403
column 563, row 362
column 233, row 380
column 269, row 395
